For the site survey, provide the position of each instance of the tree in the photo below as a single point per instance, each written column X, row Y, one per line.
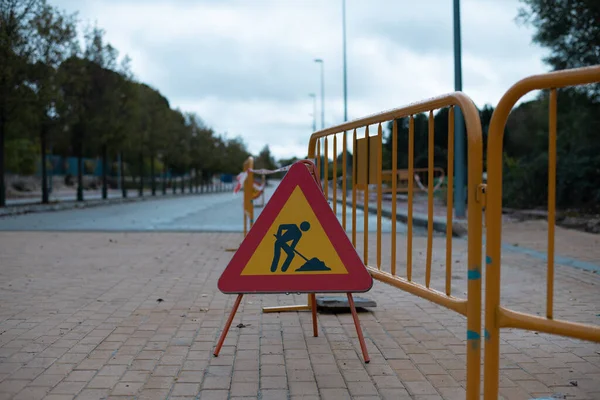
column 235, row 154
column 74, row 87
column 421, row 140
column 127, row 119
column 265, row 160
column 55, row 33
column 103, row 98
column 287, row 161
column 76, row 97
column 204, row 159
column 16, row 30
column 570, row 29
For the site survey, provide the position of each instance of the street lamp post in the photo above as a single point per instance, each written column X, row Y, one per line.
column 318, row 60
column 314, row 97
column 345, row 75
column 459, row 136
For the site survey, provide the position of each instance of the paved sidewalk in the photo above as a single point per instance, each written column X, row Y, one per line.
column 571, row 243
column 94, row 199
column 80, row 317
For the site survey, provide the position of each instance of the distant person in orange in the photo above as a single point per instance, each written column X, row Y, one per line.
column 287, row 233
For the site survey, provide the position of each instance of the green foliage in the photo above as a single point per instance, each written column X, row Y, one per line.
column 88, row 105
column 287, row 161
column 421, row 141
column 21, row 156
column 265, row 160
column 570, row 29
column 578, row 153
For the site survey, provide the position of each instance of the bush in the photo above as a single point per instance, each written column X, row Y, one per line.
column 21, row 156
column 525, row 182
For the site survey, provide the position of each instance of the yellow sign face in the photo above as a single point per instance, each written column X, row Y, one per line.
column 295, row 244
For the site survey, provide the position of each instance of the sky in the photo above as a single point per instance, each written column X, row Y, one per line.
column 246, row 67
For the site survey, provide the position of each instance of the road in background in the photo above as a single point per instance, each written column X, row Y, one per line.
column 219, row 212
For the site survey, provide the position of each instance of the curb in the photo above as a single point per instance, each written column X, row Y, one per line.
column 459, row 228
column 74, row 204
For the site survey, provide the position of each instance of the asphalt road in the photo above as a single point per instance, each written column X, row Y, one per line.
column 206, row 212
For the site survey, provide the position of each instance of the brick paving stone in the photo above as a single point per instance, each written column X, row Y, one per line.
column 214, row 394
column 93, row 394
column 32, row 393
column 86, row 322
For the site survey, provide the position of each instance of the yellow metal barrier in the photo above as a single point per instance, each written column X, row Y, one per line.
column 402, row 179
column 248, row 195
column 497, row 316
column 327, row 141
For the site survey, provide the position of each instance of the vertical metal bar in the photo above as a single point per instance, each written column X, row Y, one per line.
column 429, row 201
column 354, row 182
column 379, row 194
column 493, row 259
column 319, row 158
column 334, row 189
column 449, row 201
column 366, row 202
column 394, row 189
column 411, row 183
column 344, row 178
column 474, row 246
column 326, row 169
column 551, row 202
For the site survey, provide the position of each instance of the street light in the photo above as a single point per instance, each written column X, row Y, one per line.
column 318, row 60
column 459, row 136
column 314, row 97
column 344, row 45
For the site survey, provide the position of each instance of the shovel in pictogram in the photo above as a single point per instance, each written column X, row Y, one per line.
column 314, row 264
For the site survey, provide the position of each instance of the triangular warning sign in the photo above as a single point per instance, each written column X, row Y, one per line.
column 296, row 245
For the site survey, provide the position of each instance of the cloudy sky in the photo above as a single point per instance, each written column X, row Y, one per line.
column 247, row 66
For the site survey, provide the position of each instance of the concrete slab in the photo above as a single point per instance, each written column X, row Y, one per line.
column 340, row 303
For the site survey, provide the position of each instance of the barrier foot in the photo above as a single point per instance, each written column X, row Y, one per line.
column 228, row 325
column 361, row 339
column 313, row 302
column 299, row 307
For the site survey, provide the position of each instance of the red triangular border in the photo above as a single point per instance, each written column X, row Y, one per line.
column 357, row 279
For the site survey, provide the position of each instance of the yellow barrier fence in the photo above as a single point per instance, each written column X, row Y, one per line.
column 420, row 179
column 497, row 316
column 325, row 142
